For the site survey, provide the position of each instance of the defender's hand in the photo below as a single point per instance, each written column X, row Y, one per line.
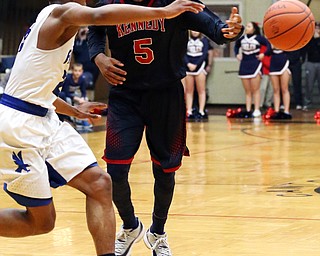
column 179, row 6
column 85, row 109
column 234, row 24
column 111, row 70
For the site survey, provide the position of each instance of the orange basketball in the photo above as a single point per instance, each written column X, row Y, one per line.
column 288, row 24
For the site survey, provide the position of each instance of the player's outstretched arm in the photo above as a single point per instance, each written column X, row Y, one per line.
column 78, row 15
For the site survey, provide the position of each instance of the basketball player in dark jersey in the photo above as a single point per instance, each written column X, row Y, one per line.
column 146, row 69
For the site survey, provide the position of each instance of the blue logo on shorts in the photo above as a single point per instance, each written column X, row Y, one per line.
column 19, row 161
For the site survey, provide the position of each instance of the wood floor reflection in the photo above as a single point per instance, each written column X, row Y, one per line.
column 247, row 189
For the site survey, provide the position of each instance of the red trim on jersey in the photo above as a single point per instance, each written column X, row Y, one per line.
column 172, row 169
column 168, row 170
column 112, row 161
column 155, row 161
column 186, row 152
column 149, row 4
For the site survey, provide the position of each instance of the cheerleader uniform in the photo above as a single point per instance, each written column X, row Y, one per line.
column 250, row 65
column 279, row 63
column 197, row 53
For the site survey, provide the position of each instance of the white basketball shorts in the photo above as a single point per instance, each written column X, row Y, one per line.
column 38, row 152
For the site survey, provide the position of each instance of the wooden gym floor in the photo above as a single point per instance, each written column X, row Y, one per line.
column 247, row 189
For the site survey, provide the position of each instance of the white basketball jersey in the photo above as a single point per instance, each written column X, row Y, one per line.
column 37, row 72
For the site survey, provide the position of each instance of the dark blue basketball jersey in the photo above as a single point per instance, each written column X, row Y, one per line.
column 153, row 51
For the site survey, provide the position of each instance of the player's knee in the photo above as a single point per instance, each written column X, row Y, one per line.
column 45, row 226
column 167, row 180
column 102, row 185
column 40, row 220
column 118, row 172
column 106, row 182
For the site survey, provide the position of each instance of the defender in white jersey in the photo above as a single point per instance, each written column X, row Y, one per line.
column 37, row 150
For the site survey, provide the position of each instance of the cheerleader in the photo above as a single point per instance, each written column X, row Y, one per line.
column 197, row 53
column 250, row 70
column 280, row 77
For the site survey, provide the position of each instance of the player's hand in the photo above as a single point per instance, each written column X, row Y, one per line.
column 111, row 70
column 86, row 109
column 179, row 6
column 234, row 25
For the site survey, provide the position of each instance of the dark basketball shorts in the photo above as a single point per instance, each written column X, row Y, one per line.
column 161, row 113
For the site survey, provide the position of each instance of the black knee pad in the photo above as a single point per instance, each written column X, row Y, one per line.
column 118, row 172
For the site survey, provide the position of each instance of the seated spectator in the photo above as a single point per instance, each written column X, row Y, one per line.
column 81, row 55
column 74, row 86
column 7, row 63
column 74, row 91
column 4, row 81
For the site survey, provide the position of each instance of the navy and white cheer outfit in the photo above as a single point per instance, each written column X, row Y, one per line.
column 250, row 65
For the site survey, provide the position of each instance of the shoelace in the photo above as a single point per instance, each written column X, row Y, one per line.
column 122, row 236
column 163, row 246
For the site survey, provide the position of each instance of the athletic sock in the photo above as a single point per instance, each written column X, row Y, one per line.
column 157, row 225
column 129, row 223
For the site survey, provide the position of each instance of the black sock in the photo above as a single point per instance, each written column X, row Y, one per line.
column 157, row 225
column 130, row 223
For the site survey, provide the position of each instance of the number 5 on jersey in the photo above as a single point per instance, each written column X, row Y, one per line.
column 143, row 54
